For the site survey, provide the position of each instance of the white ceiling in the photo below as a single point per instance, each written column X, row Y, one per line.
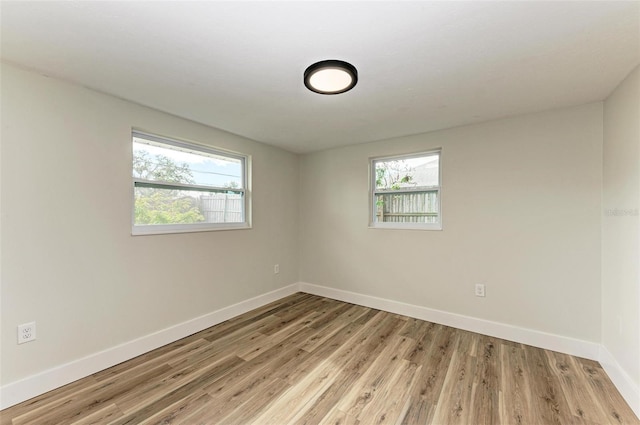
column 423, row 66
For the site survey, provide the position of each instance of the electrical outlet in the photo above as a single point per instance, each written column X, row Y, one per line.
column 276, row 269
column 480, row 290
column 26, row 332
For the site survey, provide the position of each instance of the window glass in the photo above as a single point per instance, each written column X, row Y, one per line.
column 180, row 187
column 406, row 191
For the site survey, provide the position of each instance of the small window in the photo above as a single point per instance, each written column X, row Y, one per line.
column 182, row 187
column 406, row 191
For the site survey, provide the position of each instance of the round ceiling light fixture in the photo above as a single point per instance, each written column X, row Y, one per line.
column 330, row 77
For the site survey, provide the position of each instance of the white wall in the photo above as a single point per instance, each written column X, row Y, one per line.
column 521, row 204
column 69, row 261
column 621, row 228
column 522, row 213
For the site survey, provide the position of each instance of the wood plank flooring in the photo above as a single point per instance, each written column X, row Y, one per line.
column 312, row 360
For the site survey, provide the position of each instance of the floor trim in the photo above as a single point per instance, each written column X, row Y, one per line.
column 562, row 344
column 621, row 379
column 34, row 385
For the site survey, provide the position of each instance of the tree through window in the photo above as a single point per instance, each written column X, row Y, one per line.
column 406, row 191
column 182, row 187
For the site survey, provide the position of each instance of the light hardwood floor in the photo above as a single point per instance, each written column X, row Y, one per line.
column 309, row 360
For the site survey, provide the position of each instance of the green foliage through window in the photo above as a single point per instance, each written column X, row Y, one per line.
column 407, row 190
column 179, row 185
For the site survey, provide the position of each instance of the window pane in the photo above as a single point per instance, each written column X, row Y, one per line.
column 418, row 207
column 166, row 163
column 407, row 173
column 167, row 206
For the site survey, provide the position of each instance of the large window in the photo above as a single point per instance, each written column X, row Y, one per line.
column 406, row 191
column 182, row 187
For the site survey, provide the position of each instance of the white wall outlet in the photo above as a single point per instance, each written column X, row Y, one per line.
column 480, row 290
column 26, row 332
column 276, row 269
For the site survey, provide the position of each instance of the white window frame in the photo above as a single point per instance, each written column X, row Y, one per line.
column 159, row 229
column 373, row 224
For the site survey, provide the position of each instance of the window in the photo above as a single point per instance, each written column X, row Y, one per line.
column 406, row 191
column 182, row 187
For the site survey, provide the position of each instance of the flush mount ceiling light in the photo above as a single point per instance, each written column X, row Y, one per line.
column 330, row 77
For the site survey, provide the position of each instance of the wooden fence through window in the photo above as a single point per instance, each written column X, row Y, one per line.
column 221, row 208
column 419, row 207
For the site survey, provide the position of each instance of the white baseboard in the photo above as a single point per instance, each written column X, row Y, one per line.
column 575, row 347
column 563, row 344
column 621, row 379
column 32, row 386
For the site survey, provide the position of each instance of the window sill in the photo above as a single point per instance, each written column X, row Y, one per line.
column 405, row 226
column 163, row 229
